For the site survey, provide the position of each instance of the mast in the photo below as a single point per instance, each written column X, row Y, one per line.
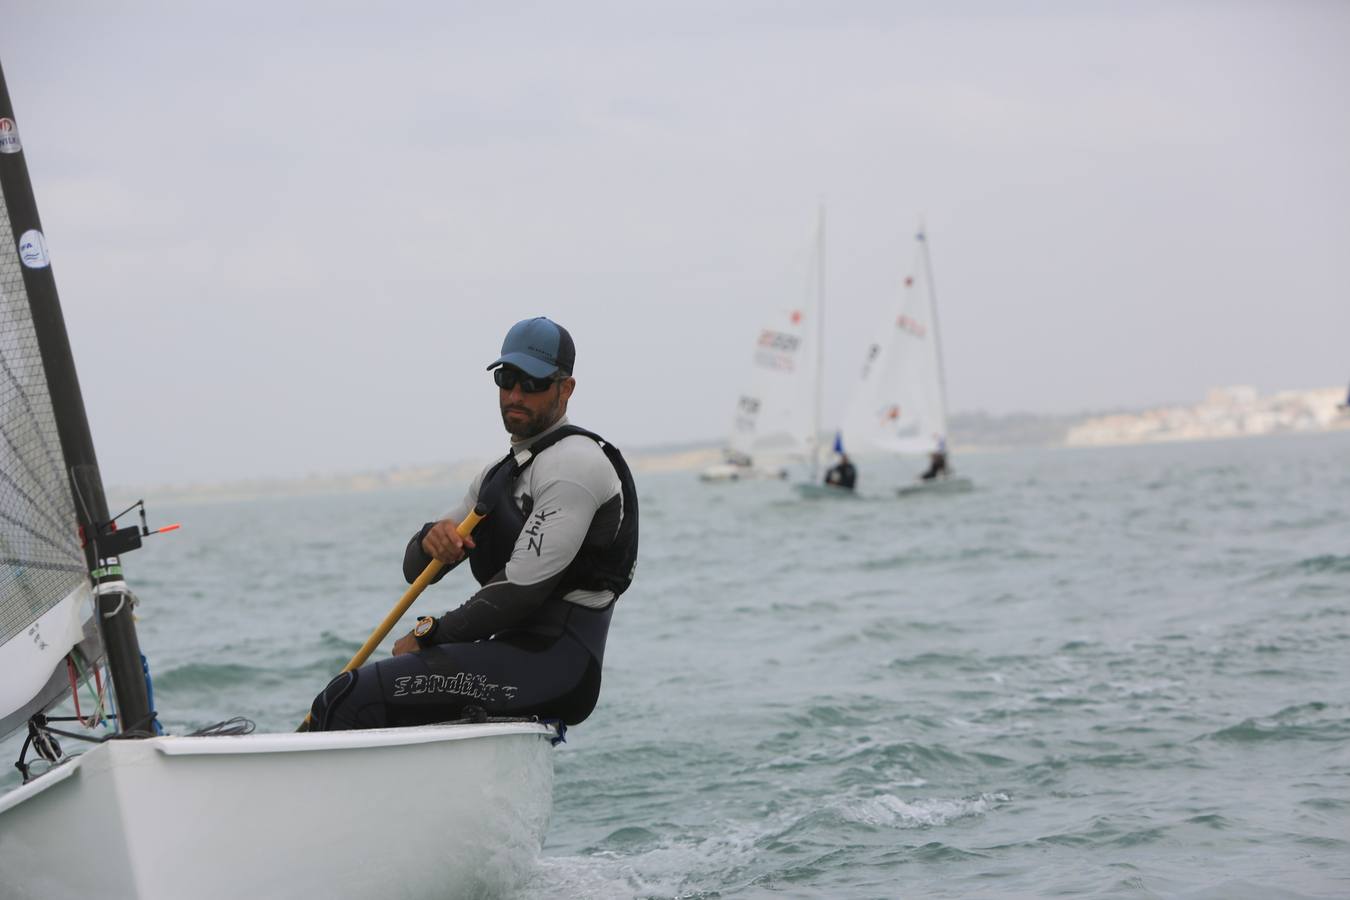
column 114, row 600
column 820, row 343
column 922, row 238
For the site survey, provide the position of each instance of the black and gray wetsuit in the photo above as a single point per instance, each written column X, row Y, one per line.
column 937, row 465
column 843, row 475
column 555, row 551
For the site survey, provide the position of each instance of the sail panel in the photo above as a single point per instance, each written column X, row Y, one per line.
column 41, row 564
column 774, row 414
column 897, row 404
column 33, row 672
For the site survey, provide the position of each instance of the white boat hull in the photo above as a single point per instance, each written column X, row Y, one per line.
column 954, row 485
column 728, row 472
column 432, row 811
column 809, row 491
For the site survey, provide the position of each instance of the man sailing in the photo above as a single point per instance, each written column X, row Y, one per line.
column 555, row 551
column 843, row 474
column 937, row 460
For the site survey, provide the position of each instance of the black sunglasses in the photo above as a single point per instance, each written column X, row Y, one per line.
column 508, row 378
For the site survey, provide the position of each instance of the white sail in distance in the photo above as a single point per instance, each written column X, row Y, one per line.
column 898, row 404
column 775, row 414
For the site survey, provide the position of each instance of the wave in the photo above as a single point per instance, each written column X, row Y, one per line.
column 1099, row 831
column 1322, row 564
column 934, row 660
column 1327, row 562
column 198, row 675
column 962, row 555
column 1293, row 723
column 821, row 716
column 937, row 852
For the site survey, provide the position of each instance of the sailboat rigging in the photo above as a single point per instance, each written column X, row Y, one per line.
column 899, row 404
column 777, row 416
column 820, row 346
column 147, row 815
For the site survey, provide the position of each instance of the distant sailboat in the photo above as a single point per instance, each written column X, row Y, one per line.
column 777, row 415
column 814, row 487
column 900, row 404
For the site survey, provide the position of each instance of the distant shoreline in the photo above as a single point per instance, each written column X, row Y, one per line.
column 1225, row 413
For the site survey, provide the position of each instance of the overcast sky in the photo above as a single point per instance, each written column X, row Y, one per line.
column 289, row 238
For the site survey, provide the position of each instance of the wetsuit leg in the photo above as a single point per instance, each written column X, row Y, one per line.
column 330, row 697
column 557, row 678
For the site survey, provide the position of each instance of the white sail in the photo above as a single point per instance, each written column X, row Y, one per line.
column 898, row 404
column 33, row 670
column 45, row 600
column 776, row 416
column 773, row 414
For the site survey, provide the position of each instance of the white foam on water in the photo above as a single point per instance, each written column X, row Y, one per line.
column 889, row 811
column 668, row 869
column 595, row 877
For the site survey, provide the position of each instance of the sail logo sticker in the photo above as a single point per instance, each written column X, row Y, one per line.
column 905, row 323
column 872, row 353
column 747, row 411
column 777, row 350
column 9, row 137
column 777, row 340
column 33, row 250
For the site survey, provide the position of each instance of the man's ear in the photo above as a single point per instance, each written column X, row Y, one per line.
column 566, row 386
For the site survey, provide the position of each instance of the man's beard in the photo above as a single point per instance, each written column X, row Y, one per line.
column 534, row 424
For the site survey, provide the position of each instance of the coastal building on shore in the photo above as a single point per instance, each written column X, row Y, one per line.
column 1238, row 411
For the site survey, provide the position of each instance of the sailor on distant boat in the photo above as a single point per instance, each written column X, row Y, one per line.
column 844, row 474
column 937, row 460
column 553, row 554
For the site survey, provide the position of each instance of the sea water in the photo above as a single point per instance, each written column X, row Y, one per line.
column 1106, row 673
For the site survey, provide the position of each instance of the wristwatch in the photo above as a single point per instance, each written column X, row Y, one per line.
column 423, row 630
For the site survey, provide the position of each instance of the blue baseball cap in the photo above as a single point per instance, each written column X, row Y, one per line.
column 538, row 347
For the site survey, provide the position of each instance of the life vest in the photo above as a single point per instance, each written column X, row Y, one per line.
column 594, row 568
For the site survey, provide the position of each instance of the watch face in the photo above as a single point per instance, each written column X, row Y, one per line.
column 424, row 626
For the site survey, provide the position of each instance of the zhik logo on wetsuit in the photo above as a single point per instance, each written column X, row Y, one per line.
column 536, row 528
column 465, row 684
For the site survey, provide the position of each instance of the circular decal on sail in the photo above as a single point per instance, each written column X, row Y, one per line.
column 33, row 250
column 9, row 136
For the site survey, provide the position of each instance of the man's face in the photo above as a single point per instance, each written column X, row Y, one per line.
column 527, row 414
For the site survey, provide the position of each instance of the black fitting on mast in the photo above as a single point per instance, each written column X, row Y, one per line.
column 114, row 541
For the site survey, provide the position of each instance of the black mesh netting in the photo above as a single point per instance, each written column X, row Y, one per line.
column 40, row 558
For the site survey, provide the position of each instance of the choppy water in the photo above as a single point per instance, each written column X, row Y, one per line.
column 1107, row 673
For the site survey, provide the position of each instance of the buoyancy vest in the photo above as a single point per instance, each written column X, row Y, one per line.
column 606, row 567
